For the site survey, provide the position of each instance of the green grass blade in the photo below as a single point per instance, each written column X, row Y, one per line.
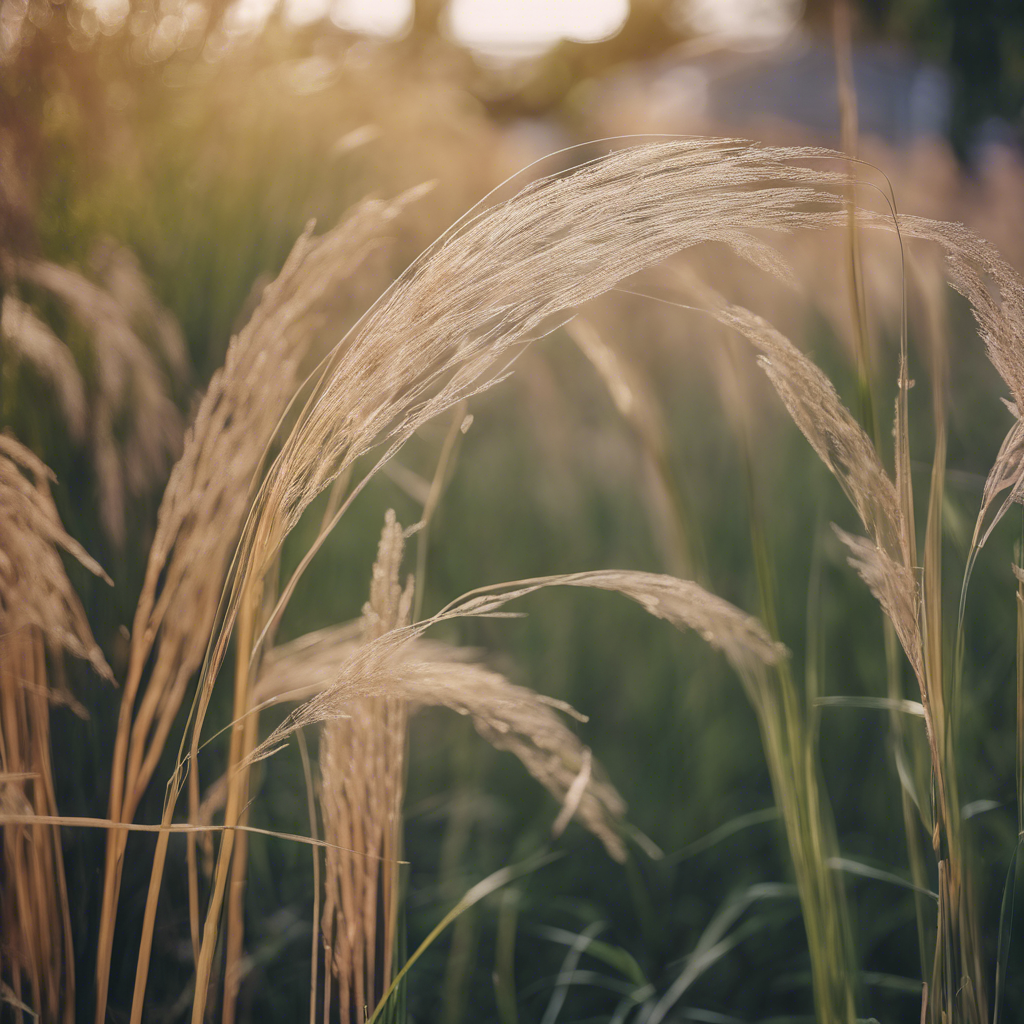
column 504, row 960
column 906, row 707
column 613, row 956
column 572, row 958
column 1006, row 926
column 479, row 891
column 730, row 828
column 856, row 867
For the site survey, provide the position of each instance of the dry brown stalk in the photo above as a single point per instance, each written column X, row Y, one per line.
column 207, row 498
column 36, row 920
column 314, row 958
column 362, row 777
column 37, row 606
column 231, row 864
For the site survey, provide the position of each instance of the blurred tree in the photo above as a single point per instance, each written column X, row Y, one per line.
column 650, row 29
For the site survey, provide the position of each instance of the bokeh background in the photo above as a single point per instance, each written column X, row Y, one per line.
column 194, row 139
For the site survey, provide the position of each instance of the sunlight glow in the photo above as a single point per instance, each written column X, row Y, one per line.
column 373, row 17
column 741, row 19
column 524, row 27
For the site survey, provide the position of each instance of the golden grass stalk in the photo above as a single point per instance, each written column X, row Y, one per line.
column 314, row 957
column 996, row 294
column 204, row 504
column 35, row 922
column 362, row 777
column 788, row 739
column 859, row 315
column 887, row 561
column 37, row 604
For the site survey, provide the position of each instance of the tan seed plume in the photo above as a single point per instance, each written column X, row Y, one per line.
column 362, row 776
column 37, row 344
column 996, row 294
column 34, row 588
column 129, row 385
column 400, row 663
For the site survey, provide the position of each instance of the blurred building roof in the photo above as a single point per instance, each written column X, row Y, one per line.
column 898, row 97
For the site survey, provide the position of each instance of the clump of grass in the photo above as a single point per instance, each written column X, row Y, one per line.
column 204, row 505
column 265, row 445
column 38, row 608
column 425, row 347
column 562, row 241
column 785, row 718
column 368, row 682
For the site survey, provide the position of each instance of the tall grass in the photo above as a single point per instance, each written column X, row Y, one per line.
column 38, row 608
column 291, row 417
